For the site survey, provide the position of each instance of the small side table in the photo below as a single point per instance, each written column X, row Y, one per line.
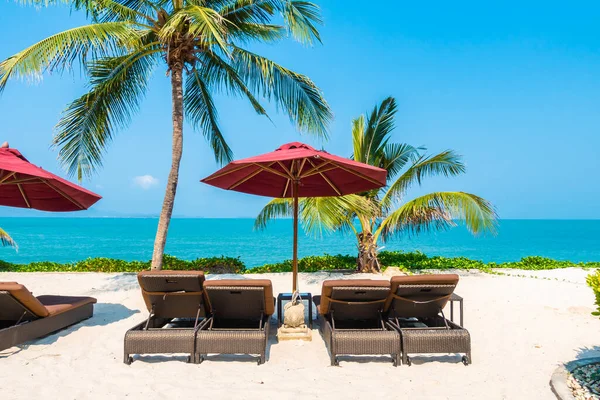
column 288, row 296
column 452, row 299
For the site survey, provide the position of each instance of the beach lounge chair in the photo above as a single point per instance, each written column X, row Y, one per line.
column 175, row 304
column 351, row 319
column 239, row 323
column 24, row 317
column 415, row 308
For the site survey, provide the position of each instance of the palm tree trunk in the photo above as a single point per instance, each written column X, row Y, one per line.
column 167, row 208
column 367, row 260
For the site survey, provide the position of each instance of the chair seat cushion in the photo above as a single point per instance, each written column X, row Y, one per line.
column 260, row 283
column 59, row 304
column 329, row 285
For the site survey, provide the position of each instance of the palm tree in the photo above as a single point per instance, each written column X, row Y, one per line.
column 384, row 212
column 200, row 42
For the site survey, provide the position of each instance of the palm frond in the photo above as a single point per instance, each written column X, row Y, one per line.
column 276, row 208
column 375, row 133
column 63, row 49
column 199, row 22
column 248, row 11
column 218, row 74
column 358, row 137
column 301, row 18
column 332, row 213
column 438, row 211
column 318, row 214
column 145, row 7
column 87, row 125
column 6, row 240
column 296, row 94
column 446, row 163
column 115, row 10
column 202, row 113
column 396, row 156
column 244, row 32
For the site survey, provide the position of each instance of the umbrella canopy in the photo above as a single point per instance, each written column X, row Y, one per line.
column 24, row 185
column 297, row 170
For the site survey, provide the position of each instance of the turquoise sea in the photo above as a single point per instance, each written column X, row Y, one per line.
column 72, row 239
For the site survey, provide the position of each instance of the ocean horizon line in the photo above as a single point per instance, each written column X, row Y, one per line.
column 58, row 216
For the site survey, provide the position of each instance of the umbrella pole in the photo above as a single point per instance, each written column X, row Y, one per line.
column 295, row 260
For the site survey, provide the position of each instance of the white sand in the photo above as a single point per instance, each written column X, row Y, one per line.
column 521, row 329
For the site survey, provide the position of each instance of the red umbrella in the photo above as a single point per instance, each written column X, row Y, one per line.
column 24, row 185
column 297, row 170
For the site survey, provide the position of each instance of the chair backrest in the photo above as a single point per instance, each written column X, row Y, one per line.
column 239, row 299
column 173, row 294
column 420, row 295
column 18, row 303
column 354, row 299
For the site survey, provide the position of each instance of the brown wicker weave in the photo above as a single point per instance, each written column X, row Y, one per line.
column 24, row 317
column 420, row 341
column 351, row 319
column 175, row 302
column 416, row 306
column 240, row 319
column 233, row 341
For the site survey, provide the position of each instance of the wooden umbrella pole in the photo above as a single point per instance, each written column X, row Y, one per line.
column 295, row 261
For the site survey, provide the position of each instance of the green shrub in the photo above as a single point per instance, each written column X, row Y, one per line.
column 417, row 261
column 219, row 265
column 593, row 280
column 410, row 261
column 310, row 264
column 215, row 265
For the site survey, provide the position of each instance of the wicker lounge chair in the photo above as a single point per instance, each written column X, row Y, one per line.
column 240, row 313
column 415, row 309
column 351, row 319
column 175, row 303
column 24, row 317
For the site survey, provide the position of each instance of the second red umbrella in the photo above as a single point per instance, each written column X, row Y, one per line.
column 297, row 170
column 24, row 185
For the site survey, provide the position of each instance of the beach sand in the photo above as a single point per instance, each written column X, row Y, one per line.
column 522, row 328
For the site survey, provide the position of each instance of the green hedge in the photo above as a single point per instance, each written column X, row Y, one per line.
column 416, row 261
column 406, row 261
column 214, row 265
column 310, row 264
column 594, row 281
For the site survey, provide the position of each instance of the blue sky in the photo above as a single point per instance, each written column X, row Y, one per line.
column 514, row 88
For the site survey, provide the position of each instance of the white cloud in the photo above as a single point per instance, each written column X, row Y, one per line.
column 145, row 181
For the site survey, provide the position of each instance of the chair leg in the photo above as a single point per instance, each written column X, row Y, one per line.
column 334, row 360
column 468, row 360
column 127, row 359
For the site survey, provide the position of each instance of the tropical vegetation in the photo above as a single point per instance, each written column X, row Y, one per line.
column 593, row 280
column 102, row 264
column 201, row 44
column 405, row 261
column 5, row 239
column 380, row 214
